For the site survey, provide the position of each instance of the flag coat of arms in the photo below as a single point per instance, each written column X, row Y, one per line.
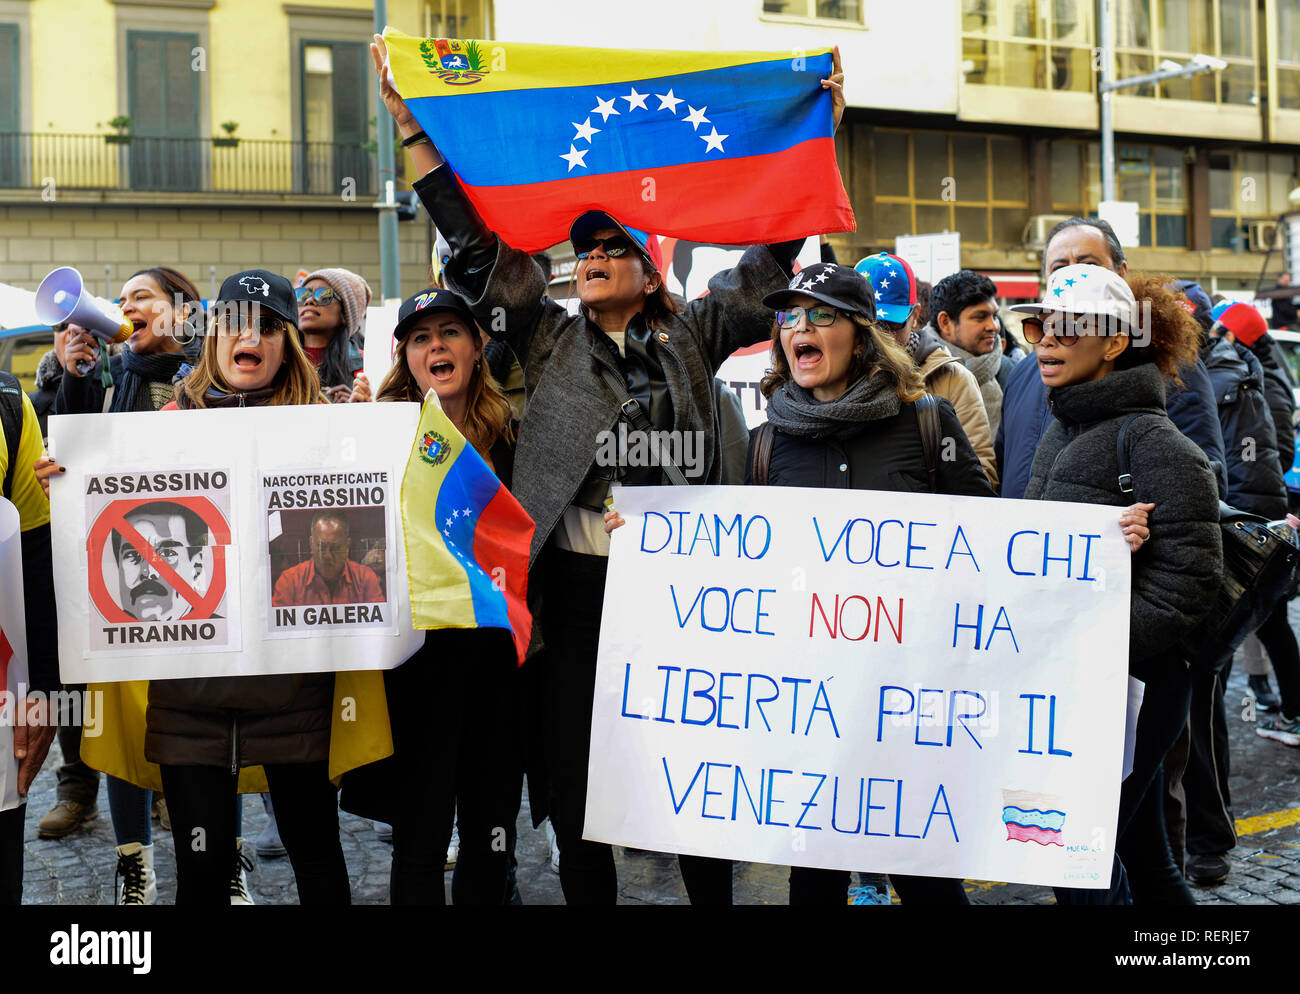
column 731, row 147
column 467, row 538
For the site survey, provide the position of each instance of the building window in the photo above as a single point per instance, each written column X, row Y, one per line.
column 1288, row 56
column 928, row 182
column 1148, row 32
column 458, row 19
column 824, row 10
column 11, row 111
column 335, row 115
column 1245, row 187
column 1037, row 44
column 1153, row 177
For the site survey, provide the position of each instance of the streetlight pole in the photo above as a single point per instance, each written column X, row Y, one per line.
column 387, row 205
column 1169, row 70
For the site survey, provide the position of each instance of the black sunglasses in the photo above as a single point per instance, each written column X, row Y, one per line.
column 615, row 246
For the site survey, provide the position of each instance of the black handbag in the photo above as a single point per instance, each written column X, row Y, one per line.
column 1259, row 568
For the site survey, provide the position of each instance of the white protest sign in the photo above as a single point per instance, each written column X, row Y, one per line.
column 13, row 651
column 891, row 682
column 932, row 257
column 377, row 353
column 231, row 542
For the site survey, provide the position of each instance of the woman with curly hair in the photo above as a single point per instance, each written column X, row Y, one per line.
column 1104, row 346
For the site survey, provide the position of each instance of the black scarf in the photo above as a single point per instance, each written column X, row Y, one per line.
column 796, row 412
column 219, row 398
column 138, row 371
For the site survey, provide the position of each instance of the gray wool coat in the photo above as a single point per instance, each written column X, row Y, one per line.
column 1177, row 572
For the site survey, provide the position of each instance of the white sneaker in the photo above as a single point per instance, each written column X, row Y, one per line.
column 239, row 892
column 453, row 850
column 135, row 868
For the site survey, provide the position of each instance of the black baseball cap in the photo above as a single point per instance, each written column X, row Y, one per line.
column 266, row 289
column 839, row 286
column 432, row 299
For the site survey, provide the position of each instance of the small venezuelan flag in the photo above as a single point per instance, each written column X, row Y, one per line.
column 730, row 147
column 467, row 538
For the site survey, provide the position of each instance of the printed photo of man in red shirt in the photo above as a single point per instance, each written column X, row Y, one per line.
column 329, row 576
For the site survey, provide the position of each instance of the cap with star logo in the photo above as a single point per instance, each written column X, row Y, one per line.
column 831, row 284
column 894, row 284
column 1085, row 289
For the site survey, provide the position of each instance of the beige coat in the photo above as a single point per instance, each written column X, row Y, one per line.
column 945, row 376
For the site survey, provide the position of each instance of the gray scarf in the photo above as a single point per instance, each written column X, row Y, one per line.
column 796, row 412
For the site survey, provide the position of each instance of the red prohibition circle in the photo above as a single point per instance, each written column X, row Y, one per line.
column 113, row 518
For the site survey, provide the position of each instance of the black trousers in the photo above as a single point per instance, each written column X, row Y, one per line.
column 11, row 856
column 455, row 730
column 1278, row 639
column 200, row 802
column 708, row 884
column 1210, row 828
column 574, row 597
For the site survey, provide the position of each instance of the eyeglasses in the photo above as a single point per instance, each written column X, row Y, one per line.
column 236, row 321
column 321, row 295
column 1078, row 325
column 818, row 317
column 614, row 246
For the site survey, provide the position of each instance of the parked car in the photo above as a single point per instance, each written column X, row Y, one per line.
column 21, row 350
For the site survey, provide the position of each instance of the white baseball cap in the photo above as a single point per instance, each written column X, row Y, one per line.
column 1085, row 289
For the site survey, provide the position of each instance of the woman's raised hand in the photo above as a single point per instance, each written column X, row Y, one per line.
column 360, row 389
column 402, row 116
column 1133, row 522
column 835, row 83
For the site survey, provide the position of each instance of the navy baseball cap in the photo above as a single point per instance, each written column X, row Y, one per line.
column 831, row 284
column 589, row 223
column 894, row 285
column 431, row 300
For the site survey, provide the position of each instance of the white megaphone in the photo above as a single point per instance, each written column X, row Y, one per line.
column 62, row 298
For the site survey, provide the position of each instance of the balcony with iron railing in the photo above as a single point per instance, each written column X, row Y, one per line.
column 221, row 166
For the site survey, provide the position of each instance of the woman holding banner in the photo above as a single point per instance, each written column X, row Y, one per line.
column 1104, row 345
column 629, row 342
column 842, row 412
column 203, row 732
column 163, row 307
column 453, row 705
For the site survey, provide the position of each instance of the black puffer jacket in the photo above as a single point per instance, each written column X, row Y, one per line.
column 1178, row 570
column 1255, row 482
column 886, row 454
column 1281, row 396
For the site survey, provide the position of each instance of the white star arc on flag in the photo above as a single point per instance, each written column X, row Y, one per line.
column 606, row 109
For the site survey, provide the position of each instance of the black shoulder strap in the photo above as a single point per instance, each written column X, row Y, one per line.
column 11, row 422
column 630, row 410
column 760, row 456
column 1121, row 455
column 927, row 415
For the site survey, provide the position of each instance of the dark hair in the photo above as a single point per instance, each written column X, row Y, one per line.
column 196, row 529
column 922, row 303
column 953, row 294
column 338, row 516
column 1113, row 246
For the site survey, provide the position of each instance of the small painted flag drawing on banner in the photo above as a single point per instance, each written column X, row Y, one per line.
column 729, row 147
column 467, row 538
column 1032, row 817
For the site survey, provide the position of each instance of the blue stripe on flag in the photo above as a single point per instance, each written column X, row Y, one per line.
column 468, row 488
column 532, row 136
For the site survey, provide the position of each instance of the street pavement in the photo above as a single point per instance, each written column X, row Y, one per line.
column 1265, row 867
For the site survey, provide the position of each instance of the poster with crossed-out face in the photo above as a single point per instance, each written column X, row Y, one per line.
column 157, row 545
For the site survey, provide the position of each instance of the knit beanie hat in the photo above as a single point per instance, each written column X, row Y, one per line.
column 353, row 291
column 1246, row 324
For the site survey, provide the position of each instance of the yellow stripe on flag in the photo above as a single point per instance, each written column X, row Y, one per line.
column 440, row 592
column 512, row 66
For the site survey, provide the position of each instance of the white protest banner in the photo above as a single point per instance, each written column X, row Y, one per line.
column 13, row 651
column 857, row 680
column 377, row 355
column 231, row 542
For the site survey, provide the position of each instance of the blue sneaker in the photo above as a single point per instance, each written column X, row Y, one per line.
column 869, row 895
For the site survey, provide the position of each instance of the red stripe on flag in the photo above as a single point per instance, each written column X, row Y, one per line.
column 502, row 539
column 750, row 200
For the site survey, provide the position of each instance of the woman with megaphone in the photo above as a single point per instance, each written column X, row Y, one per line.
column 163, row 308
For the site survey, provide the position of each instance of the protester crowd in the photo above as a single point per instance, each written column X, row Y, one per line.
column 870, row 372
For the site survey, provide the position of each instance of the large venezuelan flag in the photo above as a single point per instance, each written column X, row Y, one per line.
column 467, row 538
column 731, row 147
